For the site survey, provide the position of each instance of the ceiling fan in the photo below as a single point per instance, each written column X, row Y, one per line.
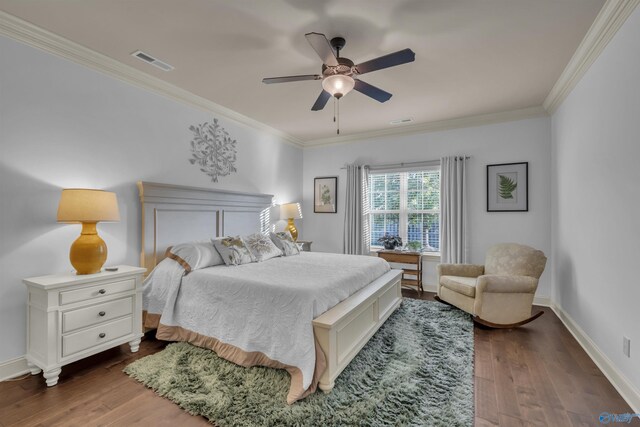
column 339, row 75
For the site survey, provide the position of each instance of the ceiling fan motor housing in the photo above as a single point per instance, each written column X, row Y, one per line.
column 344, row 67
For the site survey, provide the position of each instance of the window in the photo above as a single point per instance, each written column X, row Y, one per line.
column 406, row 204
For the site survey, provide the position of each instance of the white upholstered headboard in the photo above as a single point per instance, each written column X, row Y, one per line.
column 173, row 214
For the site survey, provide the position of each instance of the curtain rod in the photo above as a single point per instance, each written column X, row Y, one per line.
column 407, row 164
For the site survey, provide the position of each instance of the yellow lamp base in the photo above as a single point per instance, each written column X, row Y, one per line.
column 89, row 252
column 291, row 227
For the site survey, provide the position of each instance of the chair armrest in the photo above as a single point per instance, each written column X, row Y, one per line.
column 507, row 284
column 463, row 270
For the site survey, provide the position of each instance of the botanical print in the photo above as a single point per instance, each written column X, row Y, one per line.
column 507, row 185
column 325, row 194
column 213, row 150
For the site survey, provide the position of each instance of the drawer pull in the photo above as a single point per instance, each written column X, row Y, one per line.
column 101, row 314
column 102, row 291
column 102, row 335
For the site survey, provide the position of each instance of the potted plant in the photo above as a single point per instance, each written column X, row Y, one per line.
column 390, row 242
column 414, row 246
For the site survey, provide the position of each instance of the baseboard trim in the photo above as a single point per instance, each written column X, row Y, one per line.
column 13, row 368
column 542, row 301
column 430, row 288
column 627, row 390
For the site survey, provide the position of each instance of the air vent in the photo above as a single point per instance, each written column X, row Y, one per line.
column 401, row 121
column 151, row 60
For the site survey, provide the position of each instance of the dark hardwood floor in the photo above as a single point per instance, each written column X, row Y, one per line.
column 534, row 375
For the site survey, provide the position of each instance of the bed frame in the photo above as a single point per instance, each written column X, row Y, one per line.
column 173, row 214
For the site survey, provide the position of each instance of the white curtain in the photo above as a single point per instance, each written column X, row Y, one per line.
column 356, row 218
column 453, row 210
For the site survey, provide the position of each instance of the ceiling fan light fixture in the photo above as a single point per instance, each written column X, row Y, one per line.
column 338, row 85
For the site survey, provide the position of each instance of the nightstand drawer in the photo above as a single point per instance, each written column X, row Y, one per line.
column 82, row 294
column 95, row 314
column 92, row 337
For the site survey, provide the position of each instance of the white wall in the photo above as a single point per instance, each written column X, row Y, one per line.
column 63, row 125
column 596, row 202
column 525, row 140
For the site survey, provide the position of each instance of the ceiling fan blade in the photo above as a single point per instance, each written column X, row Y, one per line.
column 321, row 101
column 372, row 91
column 323, row 48
column 386, row 61
column 285, row 79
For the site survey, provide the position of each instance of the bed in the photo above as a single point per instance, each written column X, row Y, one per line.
column 333, row 303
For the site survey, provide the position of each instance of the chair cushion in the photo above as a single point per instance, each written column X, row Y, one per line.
column 462, row 285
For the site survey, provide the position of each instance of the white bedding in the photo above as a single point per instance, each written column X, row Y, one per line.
column 262, row 307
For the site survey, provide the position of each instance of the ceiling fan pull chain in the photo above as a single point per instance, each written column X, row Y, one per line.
column 334, row 110
column 338, row 128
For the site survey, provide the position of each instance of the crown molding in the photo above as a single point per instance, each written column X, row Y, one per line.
column 25, row 32
column 613, row 14
column 440, row 125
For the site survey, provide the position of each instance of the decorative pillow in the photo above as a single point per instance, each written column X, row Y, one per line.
column 285, row 243
column 195, row 255
column 261, row 247
column 233, row 251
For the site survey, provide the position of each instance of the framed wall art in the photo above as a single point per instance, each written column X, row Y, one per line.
column 508, row 187
column 325, row 194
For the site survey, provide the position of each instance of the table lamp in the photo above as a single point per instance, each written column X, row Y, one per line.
column 89, row 252
column 291, row 211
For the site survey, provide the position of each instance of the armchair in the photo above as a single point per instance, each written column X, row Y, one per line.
column 499, row 294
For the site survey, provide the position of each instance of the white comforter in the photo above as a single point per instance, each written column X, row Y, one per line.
column 265, row 307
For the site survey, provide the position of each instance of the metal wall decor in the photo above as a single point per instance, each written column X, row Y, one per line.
column 213, row 150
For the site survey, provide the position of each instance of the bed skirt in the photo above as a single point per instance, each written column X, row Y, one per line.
column 239, row 356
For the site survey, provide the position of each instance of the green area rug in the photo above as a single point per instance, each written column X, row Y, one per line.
column 416, row 370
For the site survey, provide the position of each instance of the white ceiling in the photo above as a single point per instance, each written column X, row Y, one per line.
column 472, row 56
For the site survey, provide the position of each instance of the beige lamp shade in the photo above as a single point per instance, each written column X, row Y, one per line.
column 290, row 210
column 84, row 205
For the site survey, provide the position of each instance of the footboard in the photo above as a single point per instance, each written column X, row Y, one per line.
column 343, row 330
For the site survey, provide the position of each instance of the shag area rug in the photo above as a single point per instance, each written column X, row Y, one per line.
column 417, row 370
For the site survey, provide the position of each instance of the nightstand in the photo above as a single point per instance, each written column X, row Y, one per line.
column 70, row 317
column 305, row 245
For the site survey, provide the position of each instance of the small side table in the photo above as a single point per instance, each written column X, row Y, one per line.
column 411, row 258
column 70, row 317
column 305, row 245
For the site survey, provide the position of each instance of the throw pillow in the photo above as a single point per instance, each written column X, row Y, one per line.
column 233, row 251
column 285, row 243
column 261, row 247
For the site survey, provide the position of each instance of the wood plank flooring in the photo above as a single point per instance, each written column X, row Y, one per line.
column 534, row 375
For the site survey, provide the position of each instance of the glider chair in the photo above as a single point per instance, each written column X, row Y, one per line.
column 498, row 294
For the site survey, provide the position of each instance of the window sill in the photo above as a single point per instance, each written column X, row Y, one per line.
column 428, row 256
